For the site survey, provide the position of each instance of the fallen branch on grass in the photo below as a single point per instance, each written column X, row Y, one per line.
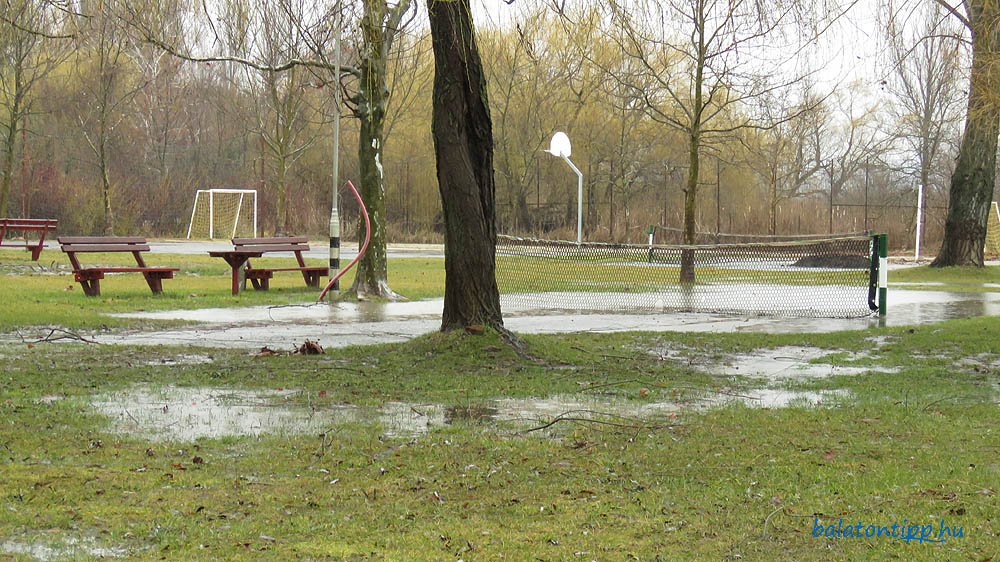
column 67, row 335
column 573, row 416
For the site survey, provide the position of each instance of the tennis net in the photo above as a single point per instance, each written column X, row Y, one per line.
column 828, row 278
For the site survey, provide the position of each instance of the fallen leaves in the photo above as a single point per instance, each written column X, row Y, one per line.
column 308, row 347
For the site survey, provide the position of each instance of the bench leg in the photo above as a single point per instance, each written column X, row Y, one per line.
column 155, row 282
column 311, row 277
column 36, row 251
column 91, row 287
column 261, row 283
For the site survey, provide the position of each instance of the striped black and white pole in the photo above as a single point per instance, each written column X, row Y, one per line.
column 883, row 271
column 334, row 211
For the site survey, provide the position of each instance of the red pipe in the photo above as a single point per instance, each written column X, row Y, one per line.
column 361, row 252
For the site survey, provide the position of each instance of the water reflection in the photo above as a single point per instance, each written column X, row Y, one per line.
column 341, row 324
column 173, row 413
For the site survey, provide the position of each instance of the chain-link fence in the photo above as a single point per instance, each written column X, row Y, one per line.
column 815, row 278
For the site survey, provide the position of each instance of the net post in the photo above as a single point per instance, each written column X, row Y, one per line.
column 883, row 272
column 651, row 243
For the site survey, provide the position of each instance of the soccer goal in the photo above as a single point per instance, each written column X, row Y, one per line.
column 223, row 213
column 993, row 231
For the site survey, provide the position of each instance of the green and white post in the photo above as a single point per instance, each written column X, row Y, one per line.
column 651, row 230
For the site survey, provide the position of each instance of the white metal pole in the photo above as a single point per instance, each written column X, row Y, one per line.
column 920, row 218
column 239, row 208
column 579, row 200
column 195, row 208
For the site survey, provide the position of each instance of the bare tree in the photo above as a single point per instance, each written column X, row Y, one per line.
column 463, row 146
column 108, row 83
column 525, row 87
column 270, row 32
column 703, row 62
column 380, row 25
column 926, row 60
column 786, row 158
column 974, row 177
column 25, row 60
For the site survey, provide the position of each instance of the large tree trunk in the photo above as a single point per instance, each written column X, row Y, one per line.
column 975, row 172
column 690, row 202
column 379, row 25
column 463, row 147
column 371, row 278
column 6, row 180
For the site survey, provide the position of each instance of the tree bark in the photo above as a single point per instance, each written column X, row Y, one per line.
column 463, row 147
column 379, row 26
column 371, row 278
column 6, row 180
column 690, row 203
column 975, row 172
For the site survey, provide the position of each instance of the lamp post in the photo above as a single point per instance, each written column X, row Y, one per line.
column 334, row 205
column 559, row 146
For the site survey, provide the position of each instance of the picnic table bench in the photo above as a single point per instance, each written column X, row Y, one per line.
column 246, row 248
column 42, row 226
column 90, row 277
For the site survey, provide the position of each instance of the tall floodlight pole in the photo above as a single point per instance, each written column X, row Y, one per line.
column 334, row 212
column 920, row 220
column 560, row 147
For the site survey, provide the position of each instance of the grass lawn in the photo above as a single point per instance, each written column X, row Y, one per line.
column 911, row 434
column 45, row 293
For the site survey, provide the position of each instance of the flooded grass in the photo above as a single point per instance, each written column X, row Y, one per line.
column 187, row 414
column 55, row 546
column 421, row 450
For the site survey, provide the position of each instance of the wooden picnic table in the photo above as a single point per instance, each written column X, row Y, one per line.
column 90, row 277
column 237, row 259
column 41, row 226
column 245, row 248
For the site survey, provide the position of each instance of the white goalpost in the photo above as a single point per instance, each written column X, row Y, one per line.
column 223, row 213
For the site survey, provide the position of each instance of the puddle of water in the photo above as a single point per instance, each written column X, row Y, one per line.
column 781, row 363
column 315, row 313
column 59, row 548
column 188, row 414
column 342, row 324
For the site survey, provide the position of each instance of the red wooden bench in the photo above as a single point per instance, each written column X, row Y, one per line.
column 246, row 248
column 41, row 226
column 90, row 277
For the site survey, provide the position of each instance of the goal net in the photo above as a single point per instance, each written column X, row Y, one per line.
column 992, row 247
column 829, row 278
column 223, row 213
